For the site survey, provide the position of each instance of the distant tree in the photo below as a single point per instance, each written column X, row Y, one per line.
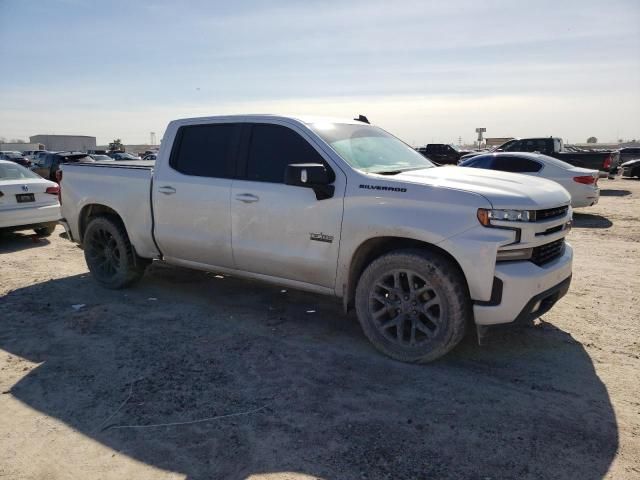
column 592, row 140
column 116, row 145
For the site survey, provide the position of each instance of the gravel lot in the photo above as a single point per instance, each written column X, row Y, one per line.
column 84, row 389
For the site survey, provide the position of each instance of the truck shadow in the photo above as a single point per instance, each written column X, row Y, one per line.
column 184, row 346
column 590, row 220
column 11, row 242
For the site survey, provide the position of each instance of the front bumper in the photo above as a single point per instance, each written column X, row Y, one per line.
column 526, row 291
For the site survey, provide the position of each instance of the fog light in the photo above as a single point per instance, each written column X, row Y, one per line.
column 510, row 255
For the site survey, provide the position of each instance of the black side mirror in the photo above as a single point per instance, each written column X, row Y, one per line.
column 311, row 175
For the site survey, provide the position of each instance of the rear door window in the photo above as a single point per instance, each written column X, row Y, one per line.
column 205, row 150
column 479, row 162
column 516, row 164
column 272, row 148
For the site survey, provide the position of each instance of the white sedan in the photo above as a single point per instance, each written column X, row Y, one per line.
column 27, row 201
column 581, row 183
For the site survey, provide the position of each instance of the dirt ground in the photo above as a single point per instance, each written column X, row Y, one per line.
column 280, row 385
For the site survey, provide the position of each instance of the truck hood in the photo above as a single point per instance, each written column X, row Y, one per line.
column 501, row 189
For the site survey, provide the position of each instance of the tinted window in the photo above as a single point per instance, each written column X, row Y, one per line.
column 272, row 148
column 478, row 162
column 516, row 164
column 203, row 150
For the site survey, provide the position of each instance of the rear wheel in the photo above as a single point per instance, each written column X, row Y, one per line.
column 109, row 254
column 46, row 229
column 413, row 305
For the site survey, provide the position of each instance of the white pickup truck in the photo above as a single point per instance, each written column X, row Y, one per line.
column 337, row 207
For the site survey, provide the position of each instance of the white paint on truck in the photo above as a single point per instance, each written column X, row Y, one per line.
column 487, row 245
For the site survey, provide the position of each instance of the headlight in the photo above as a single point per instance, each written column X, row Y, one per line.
column 485, row 216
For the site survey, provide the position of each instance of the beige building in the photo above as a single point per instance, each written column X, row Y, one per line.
column 63, row 143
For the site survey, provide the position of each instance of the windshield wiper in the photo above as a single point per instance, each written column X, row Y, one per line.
column 396, row 172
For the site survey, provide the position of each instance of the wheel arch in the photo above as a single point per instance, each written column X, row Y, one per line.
column 94, row 210
column 374, row 248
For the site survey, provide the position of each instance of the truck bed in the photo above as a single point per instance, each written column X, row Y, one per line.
column 98, row 181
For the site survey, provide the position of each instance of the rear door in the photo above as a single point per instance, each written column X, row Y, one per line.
column 282, row 230
column 191, row 195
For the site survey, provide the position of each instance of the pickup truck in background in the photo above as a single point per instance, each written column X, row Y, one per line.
column 604, row 161
column 340, row 208
column 442, row 153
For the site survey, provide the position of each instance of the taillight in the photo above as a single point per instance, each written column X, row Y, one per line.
column 53, row 190
column 586, row 179
column 607, row 163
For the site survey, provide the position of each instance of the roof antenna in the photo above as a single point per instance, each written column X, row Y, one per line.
column 362, row 118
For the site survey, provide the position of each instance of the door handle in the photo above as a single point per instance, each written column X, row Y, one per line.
column 167, row 190
column 247, row 197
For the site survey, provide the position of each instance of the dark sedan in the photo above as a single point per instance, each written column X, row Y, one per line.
column 15, row 157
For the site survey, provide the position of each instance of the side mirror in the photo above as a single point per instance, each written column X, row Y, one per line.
column 311, row 175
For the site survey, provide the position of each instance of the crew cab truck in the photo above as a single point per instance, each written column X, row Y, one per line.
column 441, row 153
column 337, row 207
column 606, row 162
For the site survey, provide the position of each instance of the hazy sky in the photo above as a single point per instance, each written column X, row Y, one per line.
column 427, row 71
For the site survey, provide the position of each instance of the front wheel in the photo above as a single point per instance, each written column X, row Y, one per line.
column 413, row 305
column 109, row 254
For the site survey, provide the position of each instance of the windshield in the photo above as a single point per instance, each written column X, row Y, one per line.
column 370, row 149
column 101, row 157
column 13, row 171
column 556, row 162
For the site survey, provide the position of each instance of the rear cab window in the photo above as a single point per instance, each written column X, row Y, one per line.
column 205, row 150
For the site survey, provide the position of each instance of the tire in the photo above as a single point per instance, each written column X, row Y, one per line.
column 109, row 254
column 413, row 305
column 46, row 229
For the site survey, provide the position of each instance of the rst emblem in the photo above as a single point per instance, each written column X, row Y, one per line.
column 321, row 237
column 25, row 188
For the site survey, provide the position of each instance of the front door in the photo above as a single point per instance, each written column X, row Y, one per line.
column 191, row 196
column 281, row 230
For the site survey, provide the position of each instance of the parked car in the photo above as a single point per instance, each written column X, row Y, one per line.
column 47, row 166
column 150, row 156
column 30, row 154
column 630, row 168
column 15, row 157
column 581, row 183
column 628, row 153
column 339, row 208
column 605, row 161
column 27, row 201
column 100, row 158
column 119, row 156
column 441, row 153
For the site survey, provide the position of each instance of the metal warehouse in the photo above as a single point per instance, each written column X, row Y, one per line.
column 80, row 143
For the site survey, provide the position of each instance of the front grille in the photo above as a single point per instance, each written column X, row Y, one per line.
column 551, row 213
column 548, row 252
